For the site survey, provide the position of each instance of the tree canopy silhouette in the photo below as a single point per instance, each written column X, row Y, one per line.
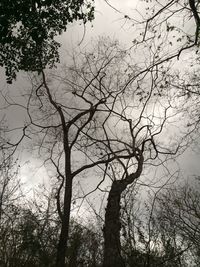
column 28, row 29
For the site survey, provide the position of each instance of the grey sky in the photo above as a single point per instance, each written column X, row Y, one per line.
column 107, row 22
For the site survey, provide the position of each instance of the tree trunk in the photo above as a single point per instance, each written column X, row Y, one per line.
column 62, row 244
column 112, row 245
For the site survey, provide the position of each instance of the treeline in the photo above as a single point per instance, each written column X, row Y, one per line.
column 162, row 231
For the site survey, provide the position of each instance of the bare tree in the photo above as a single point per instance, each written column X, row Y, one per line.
column 142, row 146
column 140, row 113
column 107, row 113
column 70, row 123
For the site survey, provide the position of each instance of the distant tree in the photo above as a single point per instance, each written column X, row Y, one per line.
column 28, row 233
column 177, row 214
column 9, row 184
column 28, row 30
column 85, row 245
column 145, row 240
column 10, row 197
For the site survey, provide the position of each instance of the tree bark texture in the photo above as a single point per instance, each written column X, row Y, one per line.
column 112, row 245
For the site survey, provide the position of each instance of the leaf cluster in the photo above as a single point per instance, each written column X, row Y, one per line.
column 28, row 29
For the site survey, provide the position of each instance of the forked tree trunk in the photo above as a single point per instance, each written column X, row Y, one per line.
column 112, row 245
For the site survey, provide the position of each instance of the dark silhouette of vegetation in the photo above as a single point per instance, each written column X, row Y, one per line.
column 29, row 231
column 28, row 30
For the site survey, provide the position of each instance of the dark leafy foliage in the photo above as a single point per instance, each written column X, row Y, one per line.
column 28, row 29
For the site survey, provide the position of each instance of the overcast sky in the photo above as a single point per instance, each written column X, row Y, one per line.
column 107, row 22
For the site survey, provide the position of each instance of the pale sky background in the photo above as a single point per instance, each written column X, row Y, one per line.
column 107, row 22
